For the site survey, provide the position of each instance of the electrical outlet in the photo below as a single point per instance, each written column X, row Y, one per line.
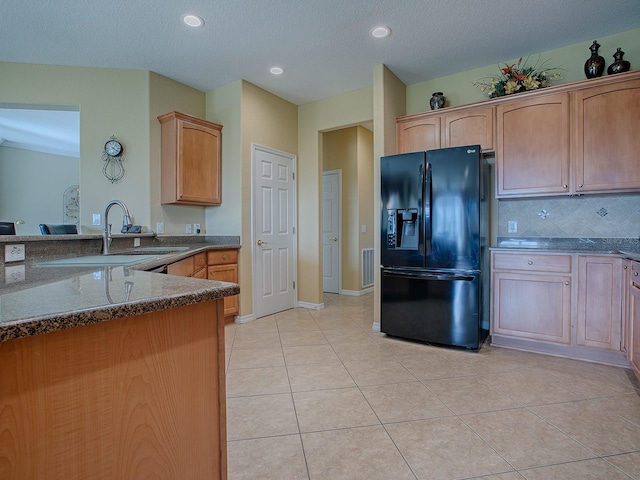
column 14, row 253
column 96, row 219
column 363, row 228
column 512, row 226
column 187, row 228
column 196, row 228
column 160, row 227
column 14, row 273
column 136, row 242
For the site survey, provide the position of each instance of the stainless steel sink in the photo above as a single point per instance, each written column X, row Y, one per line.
column 150, row 251
column 97, row 261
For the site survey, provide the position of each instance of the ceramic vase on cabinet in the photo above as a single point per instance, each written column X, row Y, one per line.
column 594, row 66
column 437, row 101
column 619, row 65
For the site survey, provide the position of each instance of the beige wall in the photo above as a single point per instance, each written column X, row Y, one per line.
column 250, row 115
column 366, row 198
column 459, row 88
column 313, row 118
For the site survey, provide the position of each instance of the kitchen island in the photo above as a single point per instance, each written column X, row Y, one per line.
column 112, row 373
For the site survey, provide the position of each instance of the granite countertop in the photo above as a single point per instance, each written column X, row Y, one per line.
column 46, row 299
column 625, row 247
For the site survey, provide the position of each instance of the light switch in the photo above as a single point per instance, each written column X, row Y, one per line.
column 363, row 228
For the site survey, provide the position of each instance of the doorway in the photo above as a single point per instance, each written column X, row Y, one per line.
column 331, row 230
column 273, row 242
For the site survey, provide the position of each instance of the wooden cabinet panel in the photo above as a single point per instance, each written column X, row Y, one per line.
column 182, row 268
column 535, row 262
column 218, row 257
column 532, row 151
column 536, row 307
column 226, row 273
column 599, row 316
column 191, row 160
column 418, row 133
column 605, row 137
column 634, row 325
column 472, row 126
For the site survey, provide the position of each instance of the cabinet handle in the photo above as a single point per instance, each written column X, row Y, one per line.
column 566, row 283
column 530, row 262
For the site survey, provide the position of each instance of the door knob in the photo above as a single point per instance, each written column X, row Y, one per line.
column 260, row 243
column 335, row 239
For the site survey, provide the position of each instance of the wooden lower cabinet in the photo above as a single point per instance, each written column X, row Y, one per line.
column 633, row 355
column 533, row 306
column 600, row 295
column 223, row 266
column 137, row 397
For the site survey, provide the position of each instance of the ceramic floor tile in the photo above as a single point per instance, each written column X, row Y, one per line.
column 403, row 402
column 297, row 325
column 256, row 357
column 598, row 429
column 378, row 372
column 587, row 383
column 257, row 381
column 500, row 476
column 350, row 336
column 319, row 376
column 332, row 409
column 445, row 448
column 354, row 454
column 595, row 469
column 528, row 388
column 627, row 406
column 629, row 463
column 301, row 338
column 260, row 325
column 361, row 352
column 524, row 440
column 469, row 395
column 260, row 416
column 310, row 354
column 273, row 458
column 256, row 340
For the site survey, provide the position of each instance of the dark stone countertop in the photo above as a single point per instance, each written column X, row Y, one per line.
column 624, row 247
column 45, row 299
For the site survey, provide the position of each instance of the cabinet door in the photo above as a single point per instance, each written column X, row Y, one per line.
column 626, row 301
column 532, row 151
column 634, row 321
column 599, row 320
column 182, row 268
column 198, row 164
column 606, row 140
column 472, row 126
column 537, row 307
column 418, row 134
column 226, row 273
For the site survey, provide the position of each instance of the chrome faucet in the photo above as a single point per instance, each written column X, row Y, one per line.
column 106, row 231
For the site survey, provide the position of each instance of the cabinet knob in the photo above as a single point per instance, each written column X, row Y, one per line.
column 580, row 186
column 635, row 274
column 566, row 283
column 565, row 186
column 530, row 262
column 224, row 257
column 625, row 267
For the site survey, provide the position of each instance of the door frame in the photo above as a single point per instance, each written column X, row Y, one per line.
column 337, row 171
column 254, row 148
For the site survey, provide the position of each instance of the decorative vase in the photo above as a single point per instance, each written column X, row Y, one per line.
column 619, row 65
column 437, row 101
column 594, row 66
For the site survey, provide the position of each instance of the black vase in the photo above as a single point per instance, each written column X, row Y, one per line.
column 594, row 66
column 437, row 101
column 619, row 65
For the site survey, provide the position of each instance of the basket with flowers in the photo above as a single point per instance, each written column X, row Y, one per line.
column 517, row 78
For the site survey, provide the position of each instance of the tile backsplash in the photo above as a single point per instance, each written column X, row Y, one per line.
column 601, row 216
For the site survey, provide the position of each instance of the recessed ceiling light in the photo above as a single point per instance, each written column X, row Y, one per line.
column 380, row 31
column 276, row 70
column 193, row 20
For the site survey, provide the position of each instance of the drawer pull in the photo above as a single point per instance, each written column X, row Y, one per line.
column 635, row 274
column 565, row 186
column 530, row 262
column 224, row 257
column 566, row 283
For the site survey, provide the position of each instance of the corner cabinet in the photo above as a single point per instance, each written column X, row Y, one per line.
column 532, row 152
column 222, row 265
column 605, row 137
column 191, row 160
column 444, row 128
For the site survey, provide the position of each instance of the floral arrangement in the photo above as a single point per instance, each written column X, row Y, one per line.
column 517, row 78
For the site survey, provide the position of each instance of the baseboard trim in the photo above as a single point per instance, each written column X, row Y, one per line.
column 311, row 306
column 356, row 293
column 244, row 319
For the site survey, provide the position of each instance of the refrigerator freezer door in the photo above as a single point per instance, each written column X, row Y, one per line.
column 432, row 306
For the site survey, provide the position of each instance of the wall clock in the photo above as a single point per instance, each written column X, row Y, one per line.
column 113, row 158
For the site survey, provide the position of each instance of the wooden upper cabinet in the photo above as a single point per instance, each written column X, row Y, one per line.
column 471, row 126
column 606, row 140
column 532, row 151
column 418, row 133
column 191, row 160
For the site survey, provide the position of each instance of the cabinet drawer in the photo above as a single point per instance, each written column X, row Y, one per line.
column 200, row 260
column 183, row 268
column 532, row 262
column 221, row 257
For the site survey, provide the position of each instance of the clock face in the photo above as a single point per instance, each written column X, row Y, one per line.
column 113, row 148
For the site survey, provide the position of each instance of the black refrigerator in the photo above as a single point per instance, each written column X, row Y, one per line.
column 434, row 246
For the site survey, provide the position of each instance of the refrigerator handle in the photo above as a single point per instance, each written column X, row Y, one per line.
column 426, row 208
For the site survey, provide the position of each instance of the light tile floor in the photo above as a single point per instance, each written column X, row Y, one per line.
column 318, row 395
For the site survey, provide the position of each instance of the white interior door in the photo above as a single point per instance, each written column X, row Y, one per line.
column 273, row 254
column 331, row 181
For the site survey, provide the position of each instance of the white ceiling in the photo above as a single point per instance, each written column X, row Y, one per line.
column 324, row 45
